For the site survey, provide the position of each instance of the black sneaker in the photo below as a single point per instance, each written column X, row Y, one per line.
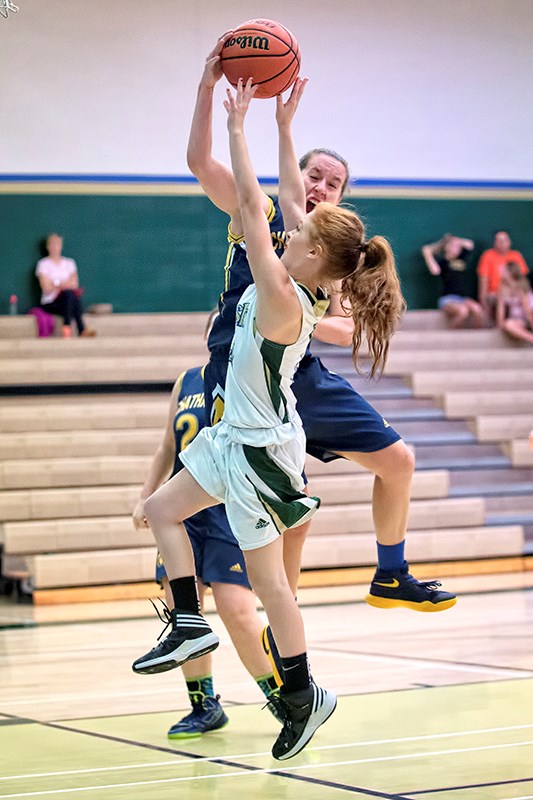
column 207, row 715
column 189, row 638
column 400, row 589
column 272, row 653
column 304, row 712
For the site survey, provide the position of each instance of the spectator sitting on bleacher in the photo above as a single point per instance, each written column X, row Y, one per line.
column 448, row 259
column 514, row 313
column 490, row 269
column 58, row 278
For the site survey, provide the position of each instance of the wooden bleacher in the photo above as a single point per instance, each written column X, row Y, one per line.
column 66, row 520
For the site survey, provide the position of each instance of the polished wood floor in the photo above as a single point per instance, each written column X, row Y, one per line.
column 434, row 706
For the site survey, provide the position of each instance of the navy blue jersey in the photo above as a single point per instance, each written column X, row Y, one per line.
column 217, row 556
column 335, row 417
column 189, row 420
column 190, row 416
column 237, row 277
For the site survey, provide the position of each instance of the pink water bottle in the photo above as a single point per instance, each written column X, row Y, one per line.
column 13, row 305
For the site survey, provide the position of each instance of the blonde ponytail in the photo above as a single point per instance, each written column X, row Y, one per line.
column 372, row 296
column 370, row 288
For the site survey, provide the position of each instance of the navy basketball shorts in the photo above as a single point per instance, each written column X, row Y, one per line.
column 335, row 417
column 217, row 556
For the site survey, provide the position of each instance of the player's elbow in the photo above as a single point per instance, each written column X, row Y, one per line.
column 194, row 162
column 346, row 336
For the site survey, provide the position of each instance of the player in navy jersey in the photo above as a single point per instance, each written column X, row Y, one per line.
column 338, row 422
column 219, row 563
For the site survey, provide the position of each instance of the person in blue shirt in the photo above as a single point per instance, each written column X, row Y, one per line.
column 337, row 420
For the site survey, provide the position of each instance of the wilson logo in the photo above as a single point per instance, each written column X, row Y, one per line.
column 253, row 42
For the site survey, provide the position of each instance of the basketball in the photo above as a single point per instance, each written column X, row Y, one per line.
column 264, row 51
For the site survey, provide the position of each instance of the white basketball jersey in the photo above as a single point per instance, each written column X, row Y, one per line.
column 260, row 406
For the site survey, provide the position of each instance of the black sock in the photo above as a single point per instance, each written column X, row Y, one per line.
column 185, row 595
column 295, row 673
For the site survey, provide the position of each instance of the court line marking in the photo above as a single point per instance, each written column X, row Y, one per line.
column 431, row 663
column 234, row 757
column 470, row 786
column 247, row 772
column 501, row 672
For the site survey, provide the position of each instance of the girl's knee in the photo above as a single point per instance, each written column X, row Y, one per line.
column 151, row 509
column 402, row 462
column 156, row 510
column 238, row 612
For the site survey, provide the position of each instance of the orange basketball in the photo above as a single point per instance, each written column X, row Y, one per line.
column 264, row 51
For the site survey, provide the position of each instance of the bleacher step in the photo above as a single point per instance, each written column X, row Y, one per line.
column 460, row 456
column 472, row 403
column 348, row 550
column 108, row 347
column 501, row 427
column 338, row 509
column 419, row 360
column 492, row 490
column 437, row 382
column 502, row 518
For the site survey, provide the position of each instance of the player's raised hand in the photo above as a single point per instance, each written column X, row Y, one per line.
column 213, row 70
column 285, row 111
column 237, row 104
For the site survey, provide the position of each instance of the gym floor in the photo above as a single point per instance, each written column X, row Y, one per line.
column 436, row 706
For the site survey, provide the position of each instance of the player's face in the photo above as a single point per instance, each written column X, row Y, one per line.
column 324, row 178
column 299, row 239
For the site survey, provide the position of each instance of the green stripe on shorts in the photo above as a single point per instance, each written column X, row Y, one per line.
column 292, row 505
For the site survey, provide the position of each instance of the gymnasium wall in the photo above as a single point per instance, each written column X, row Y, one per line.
column 427, row 100
column 145, row 253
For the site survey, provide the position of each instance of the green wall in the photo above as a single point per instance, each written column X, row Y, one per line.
column 166, row 253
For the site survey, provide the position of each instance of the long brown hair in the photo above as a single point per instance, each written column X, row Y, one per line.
column 370, row 288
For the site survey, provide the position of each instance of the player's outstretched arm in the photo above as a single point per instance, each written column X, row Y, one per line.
column 215, row 177
column 278, row 307
column 291, row 185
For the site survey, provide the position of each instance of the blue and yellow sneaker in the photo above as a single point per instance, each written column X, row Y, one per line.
column 401, row 590
column 207, row 715
column 272, row 653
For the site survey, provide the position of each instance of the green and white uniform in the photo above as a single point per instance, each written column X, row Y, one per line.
column 254, row 458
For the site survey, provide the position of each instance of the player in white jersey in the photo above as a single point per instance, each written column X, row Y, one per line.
column 252, row 460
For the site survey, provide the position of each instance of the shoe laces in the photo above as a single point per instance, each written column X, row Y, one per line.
column 165, row 617
column 276, row 706
column 198, row 701
column 433, row 586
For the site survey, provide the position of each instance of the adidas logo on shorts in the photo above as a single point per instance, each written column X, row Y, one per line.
column 236, row 568
column 262, row 523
